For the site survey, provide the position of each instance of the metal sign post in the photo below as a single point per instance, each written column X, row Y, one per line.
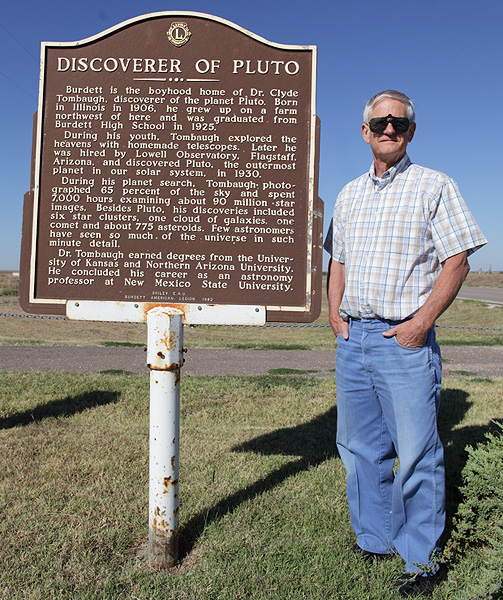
column 165, row 359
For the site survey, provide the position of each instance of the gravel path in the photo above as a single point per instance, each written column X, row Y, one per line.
column 480, row 361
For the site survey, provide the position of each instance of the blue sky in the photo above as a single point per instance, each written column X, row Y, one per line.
column 447, row 55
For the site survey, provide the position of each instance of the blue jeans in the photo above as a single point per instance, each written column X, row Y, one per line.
column 387, row 406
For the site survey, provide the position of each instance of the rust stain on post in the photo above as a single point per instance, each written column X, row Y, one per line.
column 163, row 545
column 171, row 367
column 147, row 306
column 167, row 481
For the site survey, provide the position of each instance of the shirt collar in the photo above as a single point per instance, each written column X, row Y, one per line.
column 391, row 173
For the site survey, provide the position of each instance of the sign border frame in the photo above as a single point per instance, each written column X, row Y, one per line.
column 30, row 303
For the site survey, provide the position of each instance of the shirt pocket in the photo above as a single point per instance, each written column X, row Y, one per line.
column 407, row 231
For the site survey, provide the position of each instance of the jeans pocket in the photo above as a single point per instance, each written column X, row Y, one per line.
column 408, row 348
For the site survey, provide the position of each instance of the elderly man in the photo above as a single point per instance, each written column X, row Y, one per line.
column 399, row 240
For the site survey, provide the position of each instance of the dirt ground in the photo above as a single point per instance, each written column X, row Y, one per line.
column 463, row 361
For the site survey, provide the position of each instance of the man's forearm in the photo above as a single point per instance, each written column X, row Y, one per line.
column 454, row 272
column 413, row 333
column 336, row 285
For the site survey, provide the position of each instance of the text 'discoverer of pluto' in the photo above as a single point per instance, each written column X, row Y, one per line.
column 177, row 189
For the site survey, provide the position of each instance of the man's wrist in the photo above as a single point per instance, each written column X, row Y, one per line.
column 423, row 322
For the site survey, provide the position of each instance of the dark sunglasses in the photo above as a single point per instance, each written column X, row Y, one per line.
column 399, row 124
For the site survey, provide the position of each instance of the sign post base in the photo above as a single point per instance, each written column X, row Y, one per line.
column 165, row 359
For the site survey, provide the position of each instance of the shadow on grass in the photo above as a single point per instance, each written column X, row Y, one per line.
column 453, row 407
column 64, row 407
column 314, row 442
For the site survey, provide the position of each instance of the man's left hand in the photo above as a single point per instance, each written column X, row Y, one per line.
column 413, row 333
column 409, row 334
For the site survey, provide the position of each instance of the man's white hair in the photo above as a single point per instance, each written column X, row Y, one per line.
column 394, row 95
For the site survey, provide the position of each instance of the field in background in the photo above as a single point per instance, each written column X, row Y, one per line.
column 16, row 330
column 485, row 279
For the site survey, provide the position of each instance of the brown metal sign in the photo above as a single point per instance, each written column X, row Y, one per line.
column 175, row 162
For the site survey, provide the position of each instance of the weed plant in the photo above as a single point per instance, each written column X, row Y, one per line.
column 478, row 530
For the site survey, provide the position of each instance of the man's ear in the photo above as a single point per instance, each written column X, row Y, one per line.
column 412, row 131
column 366, row 133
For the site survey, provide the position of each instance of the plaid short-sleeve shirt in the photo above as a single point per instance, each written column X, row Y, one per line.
column 392, row 233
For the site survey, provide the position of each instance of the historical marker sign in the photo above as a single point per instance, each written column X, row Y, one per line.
column 175, row 162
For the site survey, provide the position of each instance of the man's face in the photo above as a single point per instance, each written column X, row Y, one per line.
column 389, row 146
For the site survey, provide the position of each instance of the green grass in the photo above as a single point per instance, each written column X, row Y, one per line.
column 24, row 342
column 263, row 513
column 122, row 344
column 464, row 373
column 287, row 371
column 470, row 313
column 487, row 341
column 267, row 346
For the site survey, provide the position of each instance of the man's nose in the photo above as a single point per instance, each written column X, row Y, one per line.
column 389, row 129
